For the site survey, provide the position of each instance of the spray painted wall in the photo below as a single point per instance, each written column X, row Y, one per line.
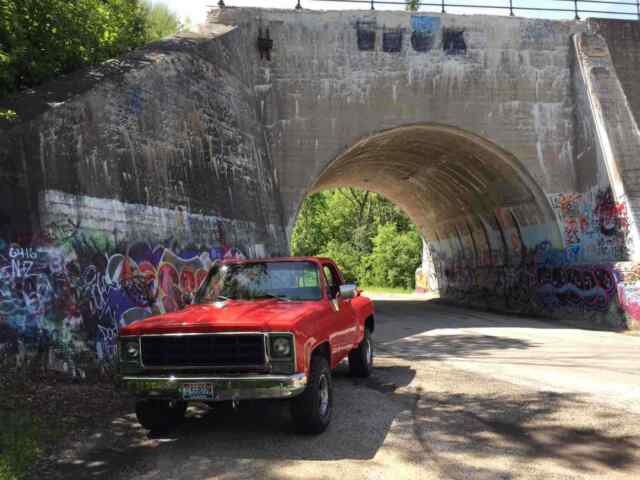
column 132, row 178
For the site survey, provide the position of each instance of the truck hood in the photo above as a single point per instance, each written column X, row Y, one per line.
column 231, row 315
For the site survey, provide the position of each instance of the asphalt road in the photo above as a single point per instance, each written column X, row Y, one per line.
column 456, row 394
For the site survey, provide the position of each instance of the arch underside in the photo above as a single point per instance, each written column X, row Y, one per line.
column 491, row 236
column 470, row 199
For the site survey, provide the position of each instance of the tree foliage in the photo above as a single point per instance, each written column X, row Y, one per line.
column 412, row 5
column 160, row 21
column 40, row 39
column 373, row 241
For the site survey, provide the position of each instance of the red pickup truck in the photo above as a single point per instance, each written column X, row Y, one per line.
column 256, row 329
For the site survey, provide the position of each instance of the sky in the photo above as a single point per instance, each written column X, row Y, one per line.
column 196, row 10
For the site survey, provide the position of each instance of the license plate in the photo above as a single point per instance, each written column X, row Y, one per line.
column 198, row 391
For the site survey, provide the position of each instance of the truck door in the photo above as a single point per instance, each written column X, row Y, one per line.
column 345, row 325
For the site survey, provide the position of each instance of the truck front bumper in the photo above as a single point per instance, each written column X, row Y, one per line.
column 224, row 387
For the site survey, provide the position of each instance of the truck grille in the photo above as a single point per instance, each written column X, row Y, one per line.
column 216, row 351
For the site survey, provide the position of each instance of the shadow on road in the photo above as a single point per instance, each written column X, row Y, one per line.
column 364, row 411
column 531, row 428
column 450, row 346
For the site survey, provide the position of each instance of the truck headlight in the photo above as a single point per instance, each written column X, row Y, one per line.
column 130, row 350
column 281, row 347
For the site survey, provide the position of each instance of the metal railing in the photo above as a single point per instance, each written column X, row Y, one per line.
column 575, row 7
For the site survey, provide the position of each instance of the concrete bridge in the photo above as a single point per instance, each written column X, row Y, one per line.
column 512, row 143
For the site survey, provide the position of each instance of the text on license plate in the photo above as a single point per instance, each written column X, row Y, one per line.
column 197, row 391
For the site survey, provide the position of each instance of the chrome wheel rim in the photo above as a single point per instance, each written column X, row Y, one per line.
column 323, row 388
column 369, row 352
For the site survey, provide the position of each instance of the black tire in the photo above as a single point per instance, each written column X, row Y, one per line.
column 311, row 410
column 160, row 415
column 361, row 358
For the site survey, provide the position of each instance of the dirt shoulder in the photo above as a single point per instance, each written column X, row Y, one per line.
column 51, row 420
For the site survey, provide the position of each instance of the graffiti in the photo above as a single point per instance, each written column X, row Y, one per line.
column 135, row 100
column 453, row 42
column 424, row 31
column 593, row 224
column 366, row 35
column 611, row 216
column 69, row 299
column 392, row 41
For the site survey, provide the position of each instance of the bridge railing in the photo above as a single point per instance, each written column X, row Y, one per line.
column 624, row 8
column 621, row 8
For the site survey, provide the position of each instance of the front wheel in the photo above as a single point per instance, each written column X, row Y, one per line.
column 361, row 358
column 311, row 410
column 159, row 415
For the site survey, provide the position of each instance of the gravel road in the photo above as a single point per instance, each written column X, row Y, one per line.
column 456, row 394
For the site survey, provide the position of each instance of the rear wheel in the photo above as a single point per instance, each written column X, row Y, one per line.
column 159, row 415
column 311, row 410
column 361, row 358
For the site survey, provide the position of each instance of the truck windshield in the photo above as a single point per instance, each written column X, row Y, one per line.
column 260, row 280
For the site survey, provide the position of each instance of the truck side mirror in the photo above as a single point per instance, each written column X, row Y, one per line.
column 348, row 290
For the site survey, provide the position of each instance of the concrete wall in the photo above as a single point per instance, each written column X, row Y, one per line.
column 511, row 143
column 120, row 185
column 481, row 128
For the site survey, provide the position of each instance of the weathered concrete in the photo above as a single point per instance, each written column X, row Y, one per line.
column 121, row 191
column 512, row 143
column 514, row 157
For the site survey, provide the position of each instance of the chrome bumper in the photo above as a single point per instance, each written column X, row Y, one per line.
column 225, row 387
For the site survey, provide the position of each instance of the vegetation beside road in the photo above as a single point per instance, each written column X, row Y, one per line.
column 42, row 414
column 372, row 240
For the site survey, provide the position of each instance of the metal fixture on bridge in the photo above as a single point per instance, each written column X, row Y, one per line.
column 298, row 6
column 623, row 7
column 265, row 45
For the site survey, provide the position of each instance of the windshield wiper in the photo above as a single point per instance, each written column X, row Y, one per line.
column 268, row 295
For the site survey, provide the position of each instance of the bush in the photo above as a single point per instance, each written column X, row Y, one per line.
column 394, row 259
column 19, row 445
column 371, row 240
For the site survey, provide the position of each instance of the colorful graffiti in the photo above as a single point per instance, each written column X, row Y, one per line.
column 595, row 223
column 66, row 300
column 493, row 265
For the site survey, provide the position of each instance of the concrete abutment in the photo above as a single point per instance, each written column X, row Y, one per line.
column 512, row 143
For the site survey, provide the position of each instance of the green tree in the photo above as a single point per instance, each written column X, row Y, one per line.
column 161, row 22
column 394, row 259
column 343, row 224
column 40, row 39
column 412, row 5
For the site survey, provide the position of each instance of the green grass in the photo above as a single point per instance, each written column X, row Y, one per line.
column 386, row 290
column 20, row 444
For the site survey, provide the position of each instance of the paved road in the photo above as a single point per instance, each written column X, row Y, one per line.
column 456, row 394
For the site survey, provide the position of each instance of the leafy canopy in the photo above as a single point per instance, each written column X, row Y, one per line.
column 40, row 39
column 373, row 242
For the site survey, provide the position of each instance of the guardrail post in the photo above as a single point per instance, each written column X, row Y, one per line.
column 511, row 7
column 372, row 6
column 221, row 4
column 443, row 5
column 298, row 6
column 575, row 2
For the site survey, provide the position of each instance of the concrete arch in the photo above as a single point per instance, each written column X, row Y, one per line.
column 465, row 193
column 440, row 174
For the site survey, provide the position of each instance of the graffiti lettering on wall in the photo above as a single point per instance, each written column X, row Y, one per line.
column 594, row 223
column 536, row 277
column 543, row 282
column 366, row 32
column 425, row 28
column 67, row 301
column 392, row 41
